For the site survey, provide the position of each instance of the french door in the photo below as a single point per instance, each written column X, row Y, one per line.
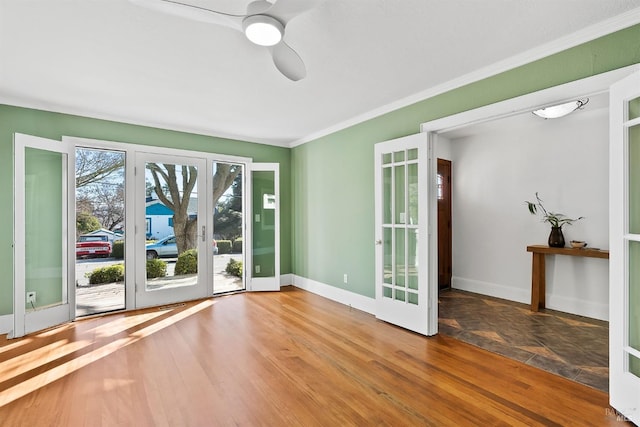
column 404, row 275
column 44, row 252
column 174, row 200
column 624, row 267
column 265, row 227
column 171, row 211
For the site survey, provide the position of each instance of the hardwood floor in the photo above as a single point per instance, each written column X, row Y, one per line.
column 287, row 358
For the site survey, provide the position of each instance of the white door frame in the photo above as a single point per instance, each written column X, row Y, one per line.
column 624, row 386
column 262, row 283
column 26, row 322
column 590, row 86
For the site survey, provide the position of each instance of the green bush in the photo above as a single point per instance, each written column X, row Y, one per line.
column 187, row 262
column 110, row 274
column 237, row 245
column 156, row 268
column 224, row 246
column 86, row 223
column 117, row 250
column 234, row 267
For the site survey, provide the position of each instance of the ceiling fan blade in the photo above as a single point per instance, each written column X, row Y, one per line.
column 288, row 62
column 193, row 12
column 285, row 10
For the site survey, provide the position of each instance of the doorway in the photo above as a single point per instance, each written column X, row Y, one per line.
column 202, row 200
column 100, row 218
column 495, row 264
column 444, row 224
column 498, row 167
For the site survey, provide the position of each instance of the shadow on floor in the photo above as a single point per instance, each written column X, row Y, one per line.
column 574, row 347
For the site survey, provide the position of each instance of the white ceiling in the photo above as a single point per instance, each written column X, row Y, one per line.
column 115, row 60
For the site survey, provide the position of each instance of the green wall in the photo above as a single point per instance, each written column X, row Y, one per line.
column 55, row 125
column 332, row 191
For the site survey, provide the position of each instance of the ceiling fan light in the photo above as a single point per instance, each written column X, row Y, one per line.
column 560, row 110
column 263, row 30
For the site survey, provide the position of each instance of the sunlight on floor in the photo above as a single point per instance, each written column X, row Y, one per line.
column 37, row 358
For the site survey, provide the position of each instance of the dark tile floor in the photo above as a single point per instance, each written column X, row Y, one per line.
column 572, row 346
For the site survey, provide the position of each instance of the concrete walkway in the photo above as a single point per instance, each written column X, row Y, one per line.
column 93, row 299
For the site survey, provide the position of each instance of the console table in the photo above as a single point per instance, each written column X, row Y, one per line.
column 538, row 275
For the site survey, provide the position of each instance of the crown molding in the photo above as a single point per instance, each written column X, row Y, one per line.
column 44, row 106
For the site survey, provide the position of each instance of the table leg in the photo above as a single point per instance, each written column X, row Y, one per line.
column 538, row 284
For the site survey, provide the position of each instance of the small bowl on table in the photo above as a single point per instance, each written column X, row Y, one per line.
column 578, row 244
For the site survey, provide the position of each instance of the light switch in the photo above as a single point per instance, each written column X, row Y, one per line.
column 257, row 217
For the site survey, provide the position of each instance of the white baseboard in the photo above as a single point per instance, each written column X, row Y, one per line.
column 491, row 289
column 581, row 308
column 568, row 305
column 286, row 279
column 342, row 296
column 6, row 323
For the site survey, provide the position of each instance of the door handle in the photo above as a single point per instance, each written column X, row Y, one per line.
column 378, row 242
column 203, row 234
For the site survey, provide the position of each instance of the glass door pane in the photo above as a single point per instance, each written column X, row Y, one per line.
column 633, row 297
column 265, row 244
column 228, row 227
column 45, row 273
column 100, row 219
column 400, row 195
column 171, row 223
column 634, row 310
column 42, row 224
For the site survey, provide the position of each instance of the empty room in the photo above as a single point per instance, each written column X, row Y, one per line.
column 226, row 212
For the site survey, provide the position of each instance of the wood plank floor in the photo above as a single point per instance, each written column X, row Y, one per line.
column 273, row 359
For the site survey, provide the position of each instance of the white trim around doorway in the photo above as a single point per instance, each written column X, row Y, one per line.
column 587, row 87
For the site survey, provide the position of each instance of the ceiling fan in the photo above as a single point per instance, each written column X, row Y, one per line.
column 264, row 24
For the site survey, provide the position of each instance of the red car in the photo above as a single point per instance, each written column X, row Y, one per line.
column 91, row 245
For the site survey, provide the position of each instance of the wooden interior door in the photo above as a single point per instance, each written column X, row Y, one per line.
column 444, row 223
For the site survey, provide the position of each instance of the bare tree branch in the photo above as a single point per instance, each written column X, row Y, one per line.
column 92, row 166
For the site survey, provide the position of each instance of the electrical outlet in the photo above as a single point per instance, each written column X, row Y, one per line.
column 345, row 278
column 257, row 269
column 31, row 297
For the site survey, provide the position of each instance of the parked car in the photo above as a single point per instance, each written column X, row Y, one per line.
column 93, row 245
column 167, row 248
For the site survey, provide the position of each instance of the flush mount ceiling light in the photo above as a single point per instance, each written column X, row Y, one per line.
column 560, row 110
column 263, row 30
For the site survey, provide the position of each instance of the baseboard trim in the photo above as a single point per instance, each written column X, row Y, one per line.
column 578, row 307
column 286, row 279
column 6, row 323
column 554, row 302
column 491, row 289
column 342, row 296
